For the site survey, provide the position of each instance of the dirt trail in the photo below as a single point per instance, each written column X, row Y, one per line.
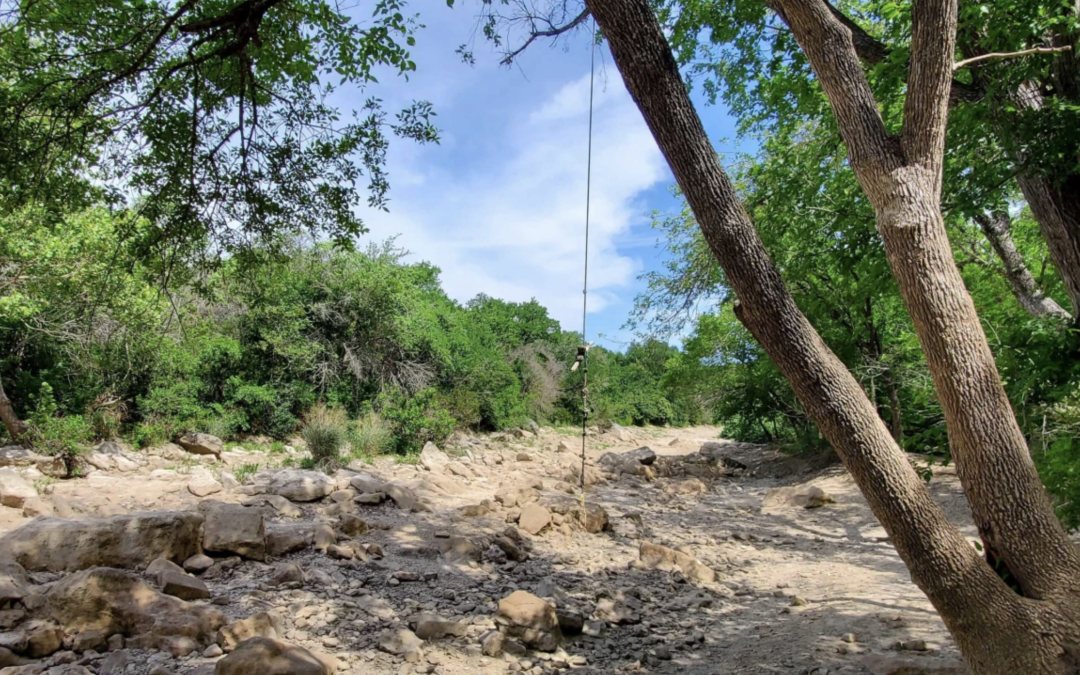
column 797, row 590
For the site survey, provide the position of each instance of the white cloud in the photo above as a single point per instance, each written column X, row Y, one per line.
column 509, row 221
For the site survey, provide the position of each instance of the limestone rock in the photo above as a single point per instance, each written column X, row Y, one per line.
column 492, row 643
column 117, row 602
column 266, row 656
column 655, row 556
column 531, row 620
column 301, row 486
column 14, row 584
column 534, row 518
column 288, row 573
column 433, row 459
column 367, row 484
column 17, row 455
column 618, row 608
column 643, row 455
column 686, row 487
column 262, row 625
column 134, row 540
column 229, row 528
column 14, row 490
column 435, row 627
column 516, row 496
column 37, row 506
column 405, row 498
column 198, row 563
column 203, row 483
column 282, row 538
column 156, row 569
column 402, row 642
column 201, row 444
column 183, row 586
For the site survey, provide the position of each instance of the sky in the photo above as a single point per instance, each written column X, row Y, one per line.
column 499, row 204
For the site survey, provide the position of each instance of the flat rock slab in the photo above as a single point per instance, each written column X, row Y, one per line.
column 265, row 656
column 129, row 541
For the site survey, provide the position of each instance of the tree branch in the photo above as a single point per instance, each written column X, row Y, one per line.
column 554, row 32
column 995, row 56
column 926, row 107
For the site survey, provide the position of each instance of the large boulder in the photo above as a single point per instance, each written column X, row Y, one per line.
column 534, row 518
column 615, row 460
column 229, row 528
column 128, row 541
column 266, row 656
column 282, row 538
column 405, row 498
column 201, row 444
column 14, row 584
column 433, row 459
column 533, row 621
column 17, row 455
column 655, row 556
column 112, row 601
column 301, row 486
column 14, row 489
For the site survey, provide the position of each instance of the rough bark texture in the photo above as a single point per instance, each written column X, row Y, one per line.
column 996, row 228
column 998, row 631
column 16, row 428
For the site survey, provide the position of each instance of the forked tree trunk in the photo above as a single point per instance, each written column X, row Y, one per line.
column 16, row 428
column 998, row 232
column 998, row 631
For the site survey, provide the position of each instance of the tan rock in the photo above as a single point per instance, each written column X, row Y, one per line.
column 201, row 444
column 14, row 489
column 266, row 656
column 534, row 518
column 127, row 541
column 655, row 556
column 263, row 625
column 230, row 528
column 531, row 620
column 183, row 586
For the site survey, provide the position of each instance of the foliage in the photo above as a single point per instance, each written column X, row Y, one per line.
column 370, row 436
column 325, row 430
column 416, row 419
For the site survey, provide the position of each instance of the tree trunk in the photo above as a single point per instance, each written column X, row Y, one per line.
column 16, row 428
column 1055, row 204
column 996, row 229
column 1057, row 210
column 998, row 631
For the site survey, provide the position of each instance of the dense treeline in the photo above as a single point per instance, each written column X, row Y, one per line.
column 95, row 346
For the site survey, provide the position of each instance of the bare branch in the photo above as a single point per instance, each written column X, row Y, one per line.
column 553, row 32
column 996, row 56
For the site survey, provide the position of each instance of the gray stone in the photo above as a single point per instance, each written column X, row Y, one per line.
column 183, row 586
column 201, row 444
column 301, row 486
column 402, row 642
column 230, row 528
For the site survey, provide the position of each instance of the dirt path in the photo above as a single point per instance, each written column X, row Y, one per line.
column 796, row 590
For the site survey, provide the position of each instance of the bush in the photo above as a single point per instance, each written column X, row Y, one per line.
column 325, row 430
column 415, row 420
column 60, row 436
column 370, row 435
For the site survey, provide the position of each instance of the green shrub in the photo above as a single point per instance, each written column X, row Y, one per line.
column 59, row 436
column 415, row 420
column 325, row 431
column 370, row 436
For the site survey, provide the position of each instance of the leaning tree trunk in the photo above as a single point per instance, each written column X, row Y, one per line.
column 998, row 631
column 997, row 231
column 16, row 428
column 1054, row 202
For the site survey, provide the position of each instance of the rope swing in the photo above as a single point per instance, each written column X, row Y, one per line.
column 583, row 350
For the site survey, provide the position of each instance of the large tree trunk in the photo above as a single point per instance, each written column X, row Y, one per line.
column 998, row 232
column 16, row 428
column 998, row 631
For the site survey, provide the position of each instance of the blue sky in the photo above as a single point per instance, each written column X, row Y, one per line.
column 499, row 204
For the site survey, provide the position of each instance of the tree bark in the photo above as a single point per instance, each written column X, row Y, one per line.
column 998, row 631
column 1055, row 204
column 16, row 428
column 997, row 231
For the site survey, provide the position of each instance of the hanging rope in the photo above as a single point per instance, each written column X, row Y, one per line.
column 583, row 350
